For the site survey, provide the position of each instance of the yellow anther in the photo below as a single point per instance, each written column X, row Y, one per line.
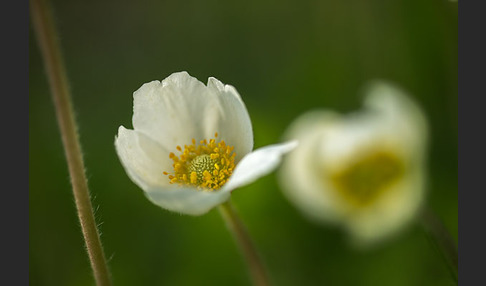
column 205, row 166
column 193, row 178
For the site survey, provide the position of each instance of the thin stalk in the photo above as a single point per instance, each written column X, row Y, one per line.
column 50, row 49
column 240, row 234
column 442, row 241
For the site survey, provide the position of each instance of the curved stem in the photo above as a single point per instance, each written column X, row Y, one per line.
column 49, row 46
column 442, row 241
column 239, row 232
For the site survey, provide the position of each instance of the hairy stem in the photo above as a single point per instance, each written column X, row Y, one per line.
column 48, row 42
column 239, row 232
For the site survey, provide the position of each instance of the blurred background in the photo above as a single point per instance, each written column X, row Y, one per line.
column 284, row 58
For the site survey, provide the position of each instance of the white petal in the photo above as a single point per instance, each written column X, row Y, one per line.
column 402, row 122
column 181, row 108
column 392, row 213
column 229, row 118
column 300, row 176
column 404, row 119
column 171, row 112
column 144, row 159
column 258, row 164
column 187, row 200
column 389, row 121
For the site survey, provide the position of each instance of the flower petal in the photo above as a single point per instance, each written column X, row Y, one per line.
column 171, row 112
column 181, row 108
column 403, row 117
column 144, row 159
column 299, row 175
column 185, row 200
column 229, row 118
column 392, row 213
column 257, row 164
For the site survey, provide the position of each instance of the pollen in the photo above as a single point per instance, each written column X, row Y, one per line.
column 207, row 165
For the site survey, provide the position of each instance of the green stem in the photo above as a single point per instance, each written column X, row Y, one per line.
column 50, row 49
column 442, row 241
column 239, row 232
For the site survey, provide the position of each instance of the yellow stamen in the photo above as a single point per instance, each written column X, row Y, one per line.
column 193, row 178
column 207, row 166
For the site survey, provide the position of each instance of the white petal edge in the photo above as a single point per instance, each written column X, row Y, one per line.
column 171, row 111
column 229, row 118
column 181, row 108
column 185, row 200
column 258, row 164
column 406, row 119
column 298, row 177
column 143, row 159
column 194, row 202
column 391, row 214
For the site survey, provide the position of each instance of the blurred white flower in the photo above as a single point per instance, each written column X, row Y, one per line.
column 365, row 170
column 191, row 144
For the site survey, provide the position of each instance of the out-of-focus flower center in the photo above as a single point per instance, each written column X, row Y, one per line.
column 207, row 166
column 365, row 180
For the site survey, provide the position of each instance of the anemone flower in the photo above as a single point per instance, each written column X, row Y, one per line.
column 364, row 171
column 192, row 144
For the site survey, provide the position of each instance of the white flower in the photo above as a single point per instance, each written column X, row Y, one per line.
column 191, row 144
column 365, row 170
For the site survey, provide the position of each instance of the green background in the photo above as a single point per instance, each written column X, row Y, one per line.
column 284, row 58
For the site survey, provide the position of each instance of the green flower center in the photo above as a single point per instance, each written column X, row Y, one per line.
column 200, row 165
column 207, row 165
column 365, row 180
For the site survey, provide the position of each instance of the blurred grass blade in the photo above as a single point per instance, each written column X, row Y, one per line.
column 442, row 241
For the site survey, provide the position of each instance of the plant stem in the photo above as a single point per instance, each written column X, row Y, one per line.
column 442, row 241
column 239, row 232
column 50, row 49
